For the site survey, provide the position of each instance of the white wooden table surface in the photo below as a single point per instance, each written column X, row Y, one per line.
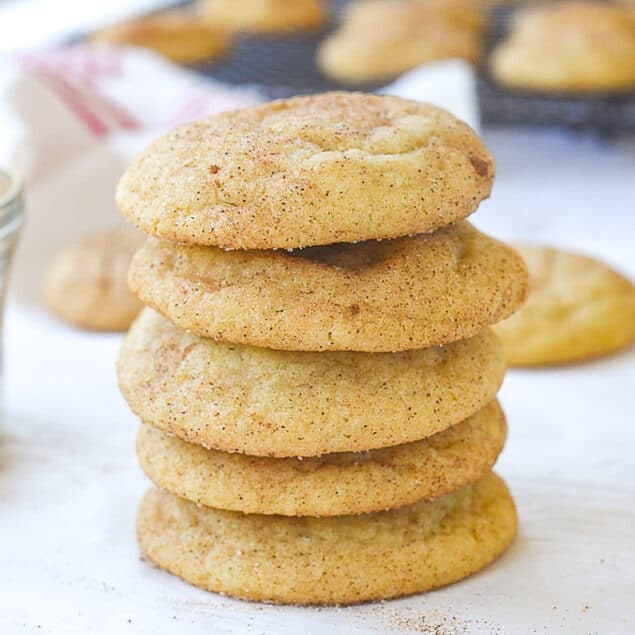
column 69, row 483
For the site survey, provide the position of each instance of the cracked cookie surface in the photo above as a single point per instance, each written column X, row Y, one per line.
column 278, row 403
column 339, row 560
column 394, row 295
column 330, row 485
column 337, row 167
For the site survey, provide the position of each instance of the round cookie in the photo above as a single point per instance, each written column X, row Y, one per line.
column 340, row 560
column 178, row 35
column 85, row 283
column 265, row 16
column 331, row 485
column 269, row 403
column 337, row 167
column 368, row 14
column 381, row 39
column 395, row 295
column 577, row 308
column 577, row 46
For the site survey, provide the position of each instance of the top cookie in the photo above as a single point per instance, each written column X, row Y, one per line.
column 337, row 167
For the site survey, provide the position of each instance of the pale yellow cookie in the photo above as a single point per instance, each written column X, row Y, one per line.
column 178, row 35
column 577, row 46
column 337, row 167
column 392, row 295
column 85, row 283
column 367, row 14
column 265, row 16
column 577, row 308
column 340, row 560
column 381, row 39
column 277, row 403
column 331, row 485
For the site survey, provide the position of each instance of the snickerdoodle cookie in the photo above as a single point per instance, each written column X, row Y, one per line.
column 380, row 39
column 340, row 560
column 265, row 16
column 577, row 46
column 337, row 167
column 279, row 403
column 375, row 296
column 577, row 308
column 86, row 282
column 178, row 35
column 331, row 485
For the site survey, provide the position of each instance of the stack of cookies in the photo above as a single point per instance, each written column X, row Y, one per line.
column 315, row 375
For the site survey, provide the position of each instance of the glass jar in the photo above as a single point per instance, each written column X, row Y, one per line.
column 10, row 224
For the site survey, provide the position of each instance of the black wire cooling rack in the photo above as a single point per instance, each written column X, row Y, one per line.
column 284, row 66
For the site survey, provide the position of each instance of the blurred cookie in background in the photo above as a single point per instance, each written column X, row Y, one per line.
column 86, row 283
column 577, row 308
column 381, row 39
column 181, row 36
column 265, row 16
column 577, row 46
